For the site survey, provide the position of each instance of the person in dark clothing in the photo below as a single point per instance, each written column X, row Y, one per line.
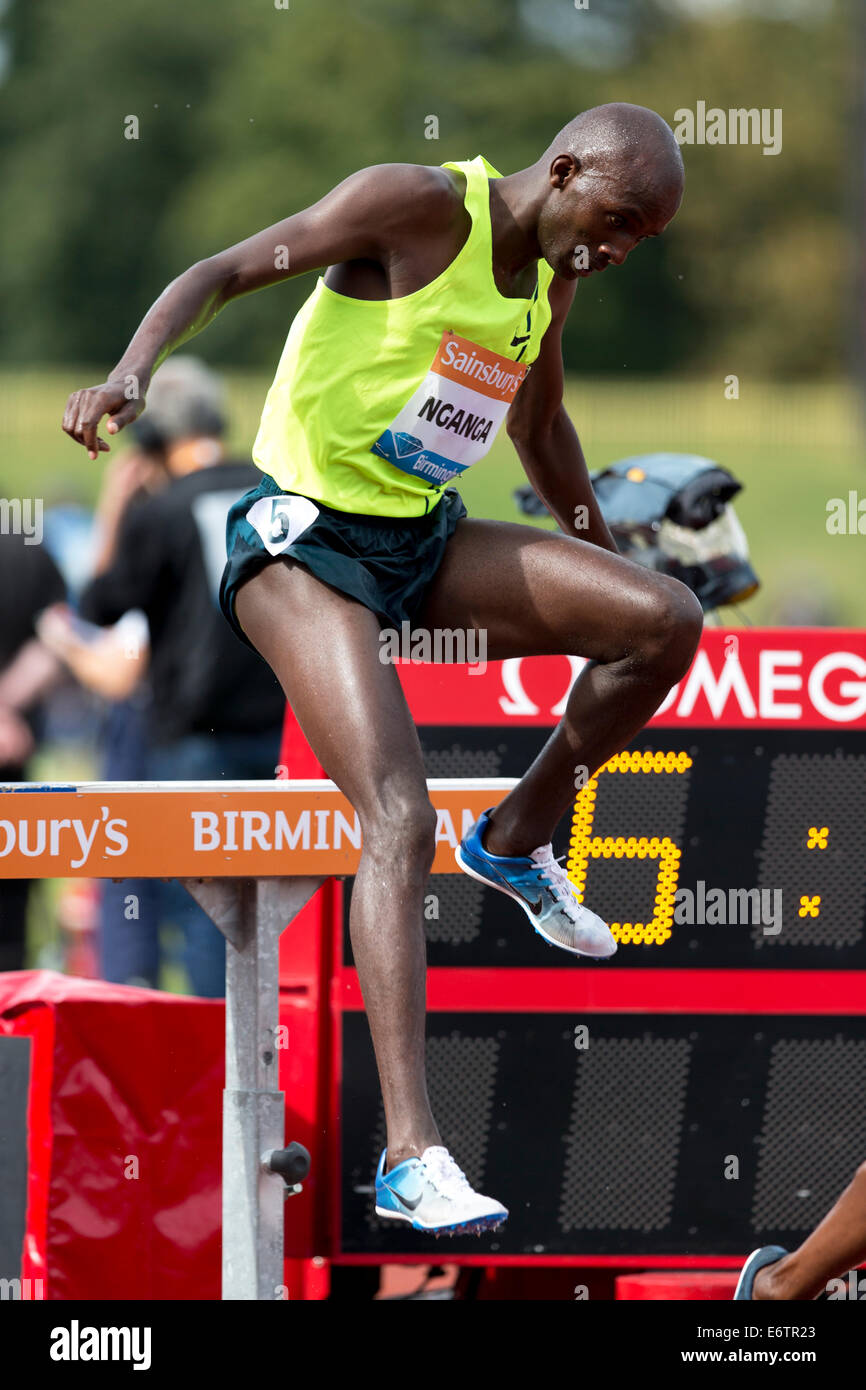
column 216, row 709
column 29, row 582
column 112, row 663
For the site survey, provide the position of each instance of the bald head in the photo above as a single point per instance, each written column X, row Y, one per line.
column 611, row 177
column 618, row 134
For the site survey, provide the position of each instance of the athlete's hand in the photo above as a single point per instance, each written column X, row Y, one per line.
column 85, row 409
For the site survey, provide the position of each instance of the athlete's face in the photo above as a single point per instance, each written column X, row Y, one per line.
column 593, row 218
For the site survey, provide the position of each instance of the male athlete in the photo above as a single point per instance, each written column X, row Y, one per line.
column 439, row 316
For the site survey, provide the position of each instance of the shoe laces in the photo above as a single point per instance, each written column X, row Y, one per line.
column 450, row 1179
column 554, row 876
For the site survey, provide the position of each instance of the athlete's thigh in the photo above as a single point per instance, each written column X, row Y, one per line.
column 536, row 592
column 324, row 649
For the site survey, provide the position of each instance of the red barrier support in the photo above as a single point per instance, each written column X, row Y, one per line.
column 124, row 1123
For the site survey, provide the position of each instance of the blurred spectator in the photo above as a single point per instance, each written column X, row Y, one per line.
column 113, row 662
column 215, row 708
column 29, row 582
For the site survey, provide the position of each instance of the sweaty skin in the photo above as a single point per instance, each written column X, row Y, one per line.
column 612, row 177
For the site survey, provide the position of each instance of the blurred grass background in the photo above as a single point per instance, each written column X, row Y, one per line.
column 245, row 113
column 793, row 446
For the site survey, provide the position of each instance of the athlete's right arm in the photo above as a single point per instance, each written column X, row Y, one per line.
column 373, row 215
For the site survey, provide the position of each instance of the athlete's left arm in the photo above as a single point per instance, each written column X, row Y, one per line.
column 546, row 440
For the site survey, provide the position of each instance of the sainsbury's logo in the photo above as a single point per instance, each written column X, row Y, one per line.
column 73, row 839
column 480, row 369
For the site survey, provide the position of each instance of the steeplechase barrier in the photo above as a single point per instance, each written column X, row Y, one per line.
column 252, row 854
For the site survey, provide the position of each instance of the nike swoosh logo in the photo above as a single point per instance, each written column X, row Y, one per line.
column 534, row 907
column 410, row 1203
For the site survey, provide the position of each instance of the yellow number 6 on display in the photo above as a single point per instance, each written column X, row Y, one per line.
column 584, row 846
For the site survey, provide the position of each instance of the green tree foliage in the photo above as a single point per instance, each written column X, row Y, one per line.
column 248, row 111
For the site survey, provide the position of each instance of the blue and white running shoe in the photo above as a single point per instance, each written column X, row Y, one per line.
column 544, row 891
column 432, row 1194
column 759, row 1259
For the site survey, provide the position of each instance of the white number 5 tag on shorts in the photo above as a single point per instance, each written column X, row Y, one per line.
column 280, row 520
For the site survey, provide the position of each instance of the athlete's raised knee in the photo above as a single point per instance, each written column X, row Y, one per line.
column 670, row 628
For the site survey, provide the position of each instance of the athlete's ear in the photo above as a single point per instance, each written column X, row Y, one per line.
column 564, row 168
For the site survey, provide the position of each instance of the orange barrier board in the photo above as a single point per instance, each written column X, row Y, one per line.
column 207, row 829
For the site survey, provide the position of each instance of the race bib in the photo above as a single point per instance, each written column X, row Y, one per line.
column 280, row 520
column 451, row 420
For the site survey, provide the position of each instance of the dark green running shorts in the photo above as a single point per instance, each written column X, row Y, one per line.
column 386, row 563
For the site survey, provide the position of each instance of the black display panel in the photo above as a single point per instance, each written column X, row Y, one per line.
column 659, row 1134
column 766, row 830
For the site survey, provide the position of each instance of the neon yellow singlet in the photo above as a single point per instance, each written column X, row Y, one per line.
column 378, row 405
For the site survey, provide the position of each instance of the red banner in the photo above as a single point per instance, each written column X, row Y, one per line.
column 772, row 678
